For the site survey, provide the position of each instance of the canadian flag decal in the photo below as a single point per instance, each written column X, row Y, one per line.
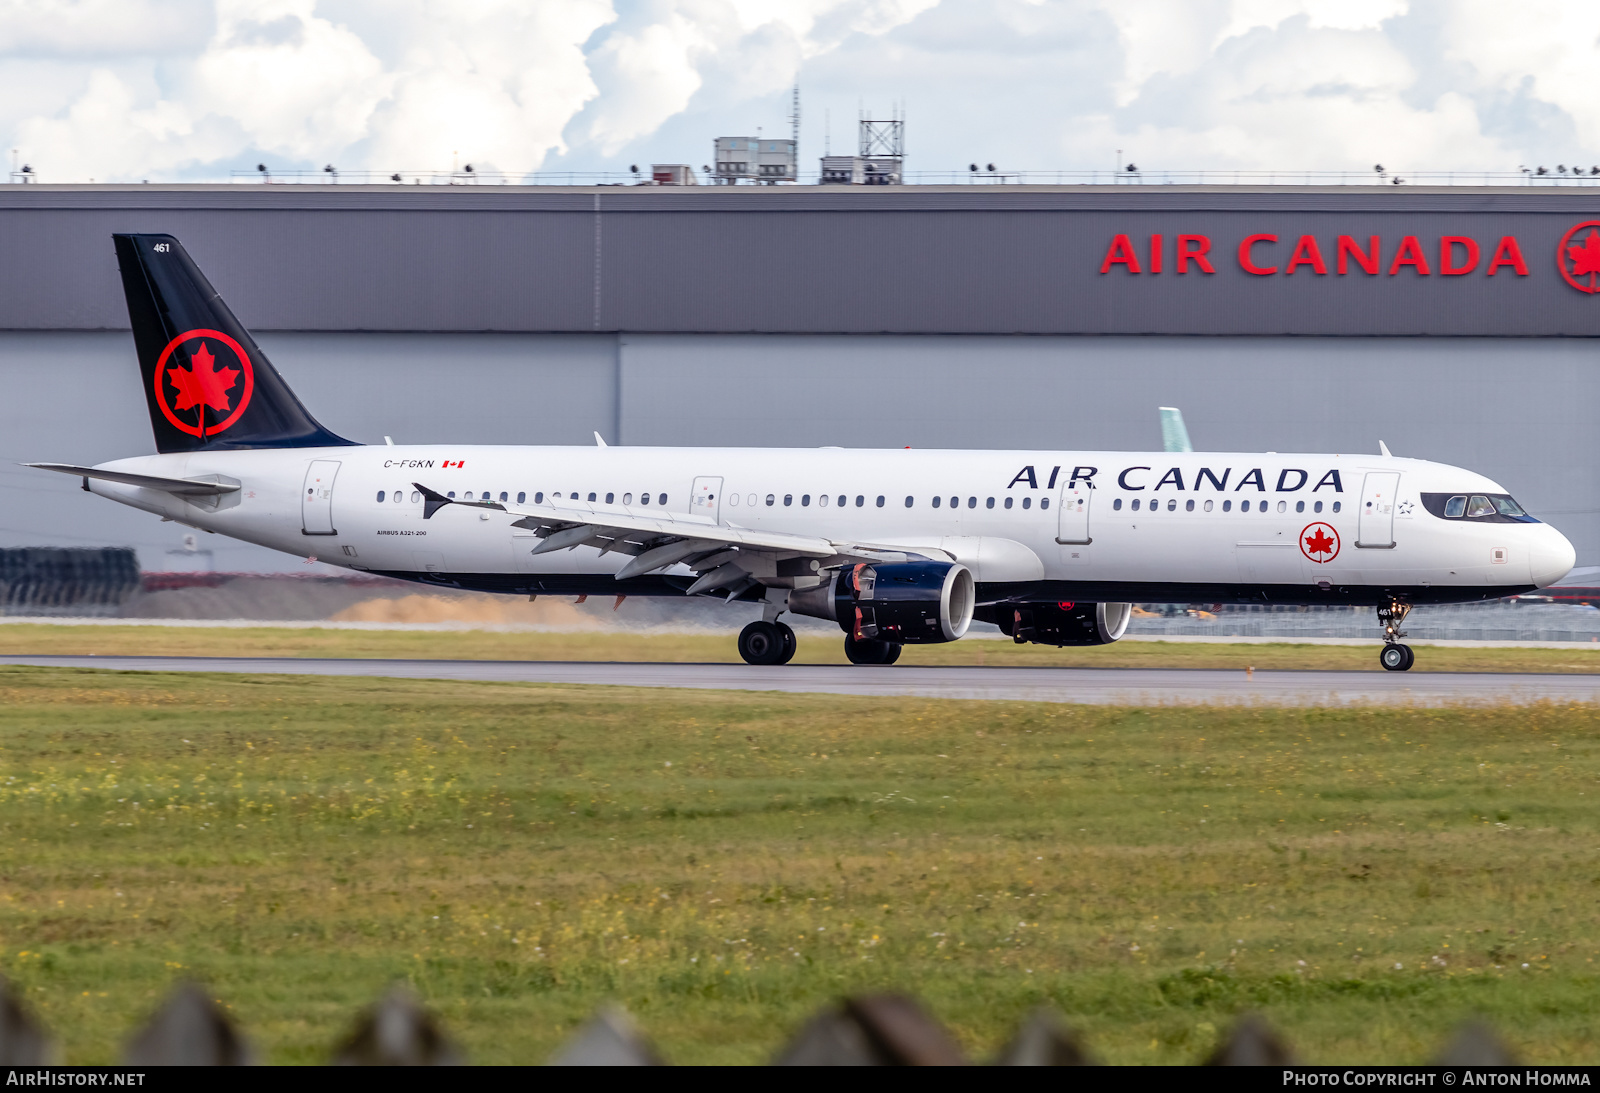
column 448, row 463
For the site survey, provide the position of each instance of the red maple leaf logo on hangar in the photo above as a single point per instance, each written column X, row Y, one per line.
column 210, row 394
column 1578, row 257
column 1319, row 542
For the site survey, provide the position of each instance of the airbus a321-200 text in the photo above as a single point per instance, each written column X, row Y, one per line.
column 895, row 546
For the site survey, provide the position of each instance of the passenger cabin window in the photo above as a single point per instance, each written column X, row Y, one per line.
column 880, row 500
column 380, row 495
column 1135, row 505
column 591, row 496
column 860, row 500
column 1299, row 506
column 1188, row 506
column 788, row 499
column 1117, row 505
column 1208, row 506
column 1283, row 506
column 399, row 496
column 842, row 500
column 805, row 500
column 989, row 504
column 1227, row 506
column 522, row 497
column 610, row 497
column 771, row 500
column 415, row 497
column 822, row 501
column 1027, row 503
column 505, row 496
column 1172, row 505
column 1044, row 502
column 972, row 502
column 1336, row 506
column 627, row 499
column 451, row 494
column 909, row 502
column 538, row 498
column 1316, row 506
column 1244, row 506
column 937, row 501
column 1008, row 502
column 644, row 499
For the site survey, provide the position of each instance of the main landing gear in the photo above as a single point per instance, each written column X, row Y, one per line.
column 1394, row 656
column 870, row 651
column 766, row 643
column 774, row 643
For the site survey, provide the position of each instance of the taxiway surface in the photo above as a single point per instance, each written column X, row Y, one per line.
column 1100, row 686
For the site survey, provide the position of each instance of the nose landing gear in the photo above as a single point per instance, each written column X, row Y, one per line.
column 1394, row 656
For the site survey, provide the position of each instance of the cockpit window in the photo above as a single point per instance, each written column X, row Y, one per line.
column 1489, row 508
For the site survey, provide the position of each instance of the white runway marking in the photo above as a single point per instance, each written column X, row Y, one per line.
column 1098, row 686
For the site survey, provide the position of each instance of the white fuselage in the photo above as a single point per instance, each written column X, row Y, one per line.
column 1013, row 517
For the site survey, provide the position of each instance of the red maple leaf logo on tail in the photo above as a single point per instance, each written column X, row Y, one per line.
column 1586, row 259
column 203, row 384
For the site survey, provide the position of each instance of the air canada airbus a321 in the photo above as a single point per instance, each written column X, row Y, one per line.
column 895, row 546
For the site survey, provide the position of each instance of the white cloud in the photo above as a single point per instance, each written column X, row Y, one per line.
column 190, row 88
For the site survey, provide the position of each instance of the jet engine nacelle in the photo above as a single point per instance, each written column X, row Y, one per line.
column 1063, row 623
column 906, row 603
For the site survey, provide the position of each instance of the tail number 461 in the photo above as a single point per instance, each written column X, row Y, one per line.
column 162, row 248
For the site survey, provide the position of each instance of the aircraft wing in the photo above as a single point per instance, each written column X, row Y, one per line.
column 209, row 486
column 727, row 557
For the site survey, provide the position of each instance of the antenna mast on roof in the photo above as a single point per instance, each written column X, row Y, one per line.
column 794, row 129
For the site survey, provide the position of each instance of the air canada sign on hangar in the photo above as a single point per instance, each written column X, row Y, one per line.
column 1265, row 254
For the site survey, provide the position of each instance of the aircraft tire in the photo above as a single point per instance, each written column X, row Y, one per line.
column 869, row 652
column 790, row 644
column 1396, row 657
column 761, row 643
column 893, row 654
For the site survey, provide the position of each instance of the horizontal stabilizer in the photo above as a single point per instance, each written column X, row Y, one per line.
column 211, row 485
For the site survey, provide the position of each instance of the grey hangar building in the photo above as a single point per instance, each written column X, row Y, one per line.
column 1455, row 324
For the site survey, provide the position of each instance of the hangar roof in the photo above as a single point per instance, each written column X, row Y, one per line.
column 1128, row 259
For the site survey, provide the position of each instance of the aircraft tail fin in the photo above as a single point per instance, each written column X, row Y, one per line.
column 1174, row 435
column 207, row 383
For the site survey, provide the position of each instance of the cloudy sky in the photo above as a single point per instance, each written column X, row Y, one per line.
column 170, row 90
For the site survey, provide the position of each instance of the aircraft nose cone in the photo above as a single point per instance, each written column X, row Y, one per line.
column 1551, row 557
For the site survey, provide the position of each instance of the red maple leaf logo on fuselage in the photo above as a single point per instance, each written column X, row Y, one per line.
column 202, row 384
column 1319, row 543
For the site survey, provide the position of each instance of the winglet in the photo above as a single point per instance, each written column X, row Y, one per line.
column 599, row 441
column 1383, row 449
column 1174, row 436
column 433, row 501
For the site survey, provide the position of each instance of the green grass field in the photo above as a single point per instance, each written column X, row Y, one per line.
column 723, row 864
column 828, row 648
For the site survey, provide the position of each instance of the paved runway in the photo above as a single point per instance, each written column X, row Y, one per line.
column 1086, row 685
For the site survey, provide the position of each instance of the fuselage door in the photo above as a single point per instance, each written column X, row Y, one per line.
column 1376, row 528
column 316, row 498
column 1074, row 518
column 706, row 498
